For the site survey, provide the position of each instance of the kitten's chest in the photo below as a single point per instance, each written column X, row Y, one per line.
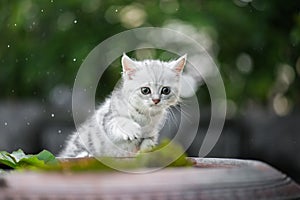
column 146, row 120
column 149, row 121
column 150, row 126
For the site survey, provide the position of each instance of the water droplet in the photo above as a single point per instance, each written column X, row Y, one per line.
column 5, row 123
column 75, row 21
column 52, row 115
column 74, row 59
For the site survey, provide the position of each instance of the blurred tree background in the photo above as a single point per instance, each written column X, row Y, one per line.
column 255, row 43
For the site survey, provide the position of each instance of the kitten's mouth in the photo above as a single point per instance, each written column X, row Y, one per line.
column 155, row 105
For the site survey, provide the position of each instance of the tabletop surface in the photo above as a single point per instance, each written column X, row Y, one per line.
column 210, row 178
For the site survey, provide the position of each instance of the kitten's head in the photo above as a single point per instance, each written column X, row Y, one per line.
column 152, row 84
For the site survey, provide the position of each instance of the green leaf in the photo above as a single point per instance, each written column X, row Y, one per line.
column 18, row 155
column 30, row 162
column 19, row 160
column 47, row 157
column 7, row 160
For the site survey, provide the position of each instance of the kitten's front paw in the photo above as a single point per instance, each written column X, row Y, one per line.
column 147, row 144
column 129, row 131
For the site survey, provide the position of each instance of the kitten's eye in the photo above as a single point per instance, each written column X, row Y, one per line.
column 145, row 90
column 166, row 90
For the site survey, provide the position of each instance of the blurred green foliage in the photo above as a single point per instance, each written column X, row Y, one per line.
column 166, row 154
column 256, row 43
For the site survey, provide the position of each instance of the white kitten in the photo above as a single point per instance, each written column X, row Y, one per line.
column 131, row 118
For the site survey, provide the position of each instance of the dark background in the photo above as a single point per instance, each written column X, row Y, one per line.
column 256, row 45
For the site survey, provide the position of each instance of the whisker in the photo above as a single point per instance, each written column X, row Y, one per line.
column 181, row 102
column 173, row 117
column 184, row 114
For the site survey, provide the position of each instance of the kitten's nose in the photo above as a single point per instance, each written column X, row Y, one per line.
column 156, row 101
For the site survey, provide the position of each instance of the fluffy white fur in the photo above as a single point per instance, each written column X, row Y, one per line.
column 131, row 118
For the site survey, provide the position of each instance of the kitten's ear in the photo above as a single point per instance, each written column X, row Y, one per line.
column 178, row 64
column 128, row 65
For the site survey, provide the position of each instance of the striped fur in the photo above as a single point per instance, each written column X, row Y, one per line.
column 129, row 121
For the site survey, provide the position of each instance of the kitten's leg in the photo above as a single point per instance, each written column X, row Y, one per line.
column 148, row 143
column 74, row 148
column 125, row 129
